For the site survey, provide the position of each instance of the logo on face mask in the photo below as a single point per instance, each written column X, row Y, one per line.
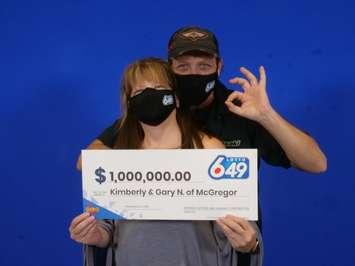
column 168, row 100
column 152, row 106
column 210, row 86
column 194, row 89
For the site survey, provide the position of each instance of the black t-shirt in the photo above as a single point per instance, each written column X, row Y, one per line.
column 235, row 131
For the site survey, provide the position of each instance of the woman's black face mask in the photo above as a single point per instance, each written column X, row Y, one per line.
column 194, row 89
column 152, row 106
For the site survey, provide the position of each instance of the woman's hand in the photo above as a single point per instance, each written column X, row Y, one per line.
column 240, row 233
column 85, row 229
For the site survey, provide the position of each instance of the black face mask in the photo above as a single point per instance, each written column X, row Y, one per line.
column 152, row 106
column 194, row 89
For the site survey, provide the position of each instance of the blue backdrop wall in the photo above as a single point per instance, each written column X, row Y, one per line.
column 60, row 65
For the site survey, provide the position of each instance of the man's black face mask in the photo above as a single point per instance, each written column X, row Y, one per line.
column 152, row 106
column 194, row 89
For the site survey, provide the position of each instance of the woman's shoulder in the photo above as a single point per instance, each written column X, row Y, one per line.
column 210, row 142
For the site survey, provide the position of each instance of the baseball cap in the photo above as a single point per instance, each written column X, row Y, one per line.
column 192, row 38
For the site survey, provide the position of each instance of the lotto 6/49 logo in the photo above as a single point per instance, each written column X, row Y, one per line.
column 229, row 168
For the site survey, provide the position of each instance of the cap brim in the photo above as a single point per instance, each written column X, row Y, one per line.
column 180, row 51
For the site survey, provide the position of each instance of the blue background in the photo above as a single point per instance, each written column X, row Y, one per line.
column 60, row 65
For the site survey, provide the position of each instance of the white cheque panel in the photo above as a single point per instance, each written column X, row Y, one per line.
column 196, row 184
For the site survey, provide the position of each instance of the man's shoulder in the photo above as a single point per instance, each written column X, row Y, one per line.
column 109, row 135
column 115, row 125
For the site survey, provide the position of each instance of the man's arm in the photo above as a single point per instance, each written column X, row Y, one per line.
column 104, row 141
column 95, row 145
column 301, row 149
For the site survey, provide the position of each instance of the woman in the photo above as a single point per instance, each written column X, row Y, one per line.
column 151, row 120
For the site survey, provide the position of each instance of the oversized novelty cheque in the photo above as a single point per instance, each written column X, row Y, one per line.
column 196, row 184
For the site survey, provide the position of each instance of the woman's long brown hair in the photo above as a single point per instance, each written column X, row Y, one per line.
column 130, row 132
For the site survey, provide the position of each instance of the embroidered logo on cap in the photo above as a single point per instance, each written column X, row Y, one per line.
column 193, row 35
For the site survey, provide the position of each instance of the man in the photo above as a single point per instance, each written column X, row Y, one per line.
column 241, row 119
